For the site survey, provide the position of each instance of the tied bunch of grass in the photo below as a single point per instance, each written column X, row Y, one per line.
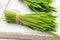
column 40, row 5
column 40, row 21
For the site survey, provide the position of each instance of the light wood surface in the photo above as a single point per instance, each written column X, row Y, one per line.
column 27, row 37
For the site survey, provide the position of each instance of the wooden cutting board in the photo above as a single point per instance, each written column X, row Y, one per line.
column 26, row 37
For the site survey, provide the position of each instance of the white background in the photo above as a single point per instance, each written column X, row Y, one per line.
column 20, row 6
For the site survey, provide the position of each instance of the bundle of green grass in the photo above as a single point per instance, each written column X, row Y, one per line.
column 40, row 5
column 40, row 21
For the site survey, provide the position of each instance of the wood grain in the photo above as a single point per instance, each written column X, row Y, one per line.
column 28, row 37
